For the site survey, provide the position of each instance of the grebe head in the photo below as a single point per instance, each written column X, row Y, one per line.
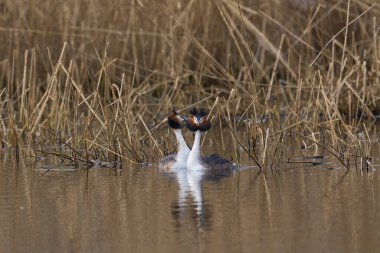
column 198, row 120
column 176, row 120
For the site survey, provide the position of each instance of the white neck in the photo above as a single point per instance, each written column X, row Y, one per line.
column 183, row 149
column 194, row 160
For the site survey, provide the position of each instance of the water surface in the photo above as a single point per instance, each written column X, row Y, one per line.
column 299, row 208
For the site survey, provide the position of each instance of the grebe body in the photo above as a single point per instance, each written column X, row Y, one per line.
column 198, row 123
column 179, row 159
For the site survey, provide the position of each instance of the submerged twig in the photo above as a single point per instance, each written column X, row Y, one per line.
column 241, row 145
column 325, row 148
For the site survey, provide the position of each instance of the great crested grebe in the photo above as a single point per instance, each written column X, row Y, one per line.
column 179, row 159
column 198, row 123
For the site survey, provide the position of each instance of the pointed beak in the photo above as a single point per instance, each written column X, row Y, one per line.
column 184, row 118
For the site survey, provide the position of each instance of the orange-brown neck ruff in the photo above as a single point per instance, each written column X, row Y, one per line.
column 204, row 125
column 191, row 125
column 174, row 121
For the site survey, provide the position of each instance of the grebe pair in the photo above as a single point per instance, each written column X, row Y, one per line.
column 192, row 159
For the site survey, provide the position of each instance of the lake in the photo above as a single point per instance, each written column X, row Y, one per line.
column 295, row 208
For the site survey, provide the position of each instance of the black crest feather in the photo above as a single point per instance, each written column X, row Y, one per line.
column 194, row 111
column 198, row 112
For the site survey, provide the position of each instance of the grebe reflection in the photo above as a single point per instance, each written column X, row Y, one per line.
column 191, row 197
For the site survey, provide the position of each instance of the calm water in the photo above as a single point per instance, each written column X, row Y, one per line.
column 299, row 209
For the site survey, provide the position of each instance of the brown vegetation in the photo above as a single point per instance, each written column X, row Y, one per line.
column 103, row 74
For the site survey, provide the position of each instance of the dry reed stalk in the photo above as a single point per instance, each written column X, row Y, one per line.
column 151, row 136
column 103, row 74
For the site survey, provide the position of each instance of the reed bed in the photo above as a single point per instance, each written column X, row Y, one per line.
column 101, row 76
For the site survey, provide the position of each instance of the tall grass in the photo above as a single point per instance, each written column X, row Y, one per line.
column 104, row 74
